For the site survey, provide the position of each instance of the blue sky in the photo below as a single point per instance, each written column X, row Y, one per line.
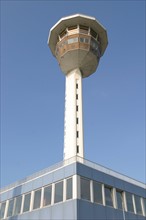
column 33, row 86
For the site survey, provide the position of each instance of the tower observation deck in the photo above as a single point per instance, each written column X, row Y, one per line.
column 78, row 42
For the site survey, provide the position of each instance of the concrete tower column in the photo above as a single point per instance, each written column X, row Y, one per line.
column 77, row 42
column 73, row 124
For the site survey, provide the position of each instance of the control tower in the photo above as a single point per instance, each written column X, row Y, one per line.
column 78, row 42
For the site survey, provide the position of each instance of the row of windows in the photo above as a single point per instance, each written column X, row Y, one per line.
column 93, row 44
column 78, row 29
column 106, row 195
column 90, row 190
column 40, row 198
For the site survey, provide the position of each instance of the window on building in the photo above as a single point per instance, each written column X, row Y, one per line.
column 93, row 33
column 120, row 203
column 58, row 192
column 73, row 40
column 77, row 96
column 77, row 86
column 69, row 188
column 47, row 195
column 77, row 149
column 2, row 210
column 26, row 206
column 63, row 33
column 85, row 189
column 97, row 189
column 83, row 29
column 73, row 29
column 108, row 196
column 138, row 205
column 129, row 201
column 18, row 203
column 37, row 199
column 10, row 208
column 77, row 121
column 77, row 134
column 77, row 108
column 81, row 39
column 144, row 202
column 84, row 40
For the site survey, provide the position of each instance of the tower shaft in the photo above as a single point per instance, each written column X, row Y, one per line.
column 73, row 124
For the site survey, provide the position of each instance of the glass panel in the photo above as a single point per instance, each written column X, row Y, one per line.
column 81, row 39
column 108, row 196
column 144, row 202
column 72, row 40
column 119, row 200
column 26, row 206
column 69, row 188
column 129, row 202
column 138, row 205
column 85, row 189
column 84, row 29
column 10, row 208
column 63, row 33
column 17, row 209
column 37, row 199
column 86, row 40
column 2, row 210
column 58, row 192
column 93, row 33
column 97, row 189
column 72, row 27
column 47, row 195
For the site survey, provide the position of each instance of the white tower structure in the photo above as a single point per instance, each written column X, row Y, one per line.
column 78, row 42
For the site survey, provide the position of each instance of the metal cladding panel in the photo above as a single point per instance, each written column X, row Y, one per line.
column 134, row 189
column 111, row 213
column 109, row 180
column 37, row 183
column 26, row 187
column 69, row 170
column 47, row 179
column 85, row 171
column 130, row 216
column 60, row 211
column 87, row 210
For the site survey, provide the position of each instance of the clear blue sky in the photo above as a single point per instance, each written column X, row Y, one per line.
column 33, row 86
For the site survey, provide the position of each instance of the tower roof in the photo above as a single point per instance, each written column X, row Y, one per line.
column 73, row 20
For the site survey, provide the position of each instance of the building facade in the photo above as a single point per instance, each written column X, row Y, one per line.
column 74, row 189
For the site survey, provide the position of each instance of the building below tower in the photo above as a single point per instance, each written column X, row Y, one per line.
column 74, row 189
